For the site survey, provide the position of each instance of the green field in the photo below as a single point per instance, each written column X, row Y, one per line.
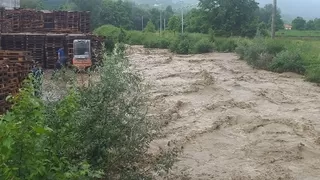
column 296, row 33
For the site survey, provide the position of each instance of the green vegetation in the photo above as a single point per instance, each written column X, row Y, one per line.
column 282, row 56
column 92, row 132
column 297, row 33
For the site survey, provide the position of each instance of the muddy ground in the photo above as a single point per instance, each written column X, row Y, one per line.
column 229, row 120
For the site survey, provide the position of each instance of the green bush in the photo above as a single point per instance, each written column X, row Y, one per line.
column 31, row 149
column 313, row 73
column 202, row 46
column 156, row 42
column 135, row 37
column 181, row 45
column 98, row 127
column 242, row 47
column 288, row 61
column 255, row 52
column 212, row 36
column 225, row 45
column 108, row 31
column 274, row 47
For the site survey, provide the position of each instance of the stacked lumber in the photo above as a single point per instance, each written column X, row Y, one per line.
column 53, row 43
column 28, row 20
column 5, row 26
column 14, row 68
column 14, row 41
column 35, row 44
column 85, row 22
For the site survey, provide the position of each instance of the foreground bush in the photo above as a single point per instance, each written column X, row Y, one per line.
column 313, row 73
column 225, row 45
column 202, row 46
column 288, row 61
column 28, row 150
column 181, row 45
column 91, row 132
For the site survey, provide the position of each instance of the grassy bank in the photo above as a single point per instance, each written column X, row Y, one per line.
column 282, row 55
column 297, row 33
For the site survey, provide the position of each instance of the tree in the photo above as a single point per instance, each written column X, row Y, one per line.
column 265, row 14
column 174, row 24
column 299, row 23
column 197, row 21
column 310, row 25
column 150, row 27
column 231, row 17
column 32, row 4
column 317, row 23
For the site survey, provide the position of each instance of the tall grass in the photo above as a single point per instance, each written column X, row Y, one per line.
column 283, row 55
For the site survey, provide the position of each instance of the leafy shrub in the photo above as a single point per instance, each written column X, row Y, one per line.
column 109, row 44
column 242, row 47
column 313, row 73
column 150, row 27
column 225, row 45
column 29, row 148
column 202, row 46
column 100, row 126
column 274, row 47
column 288, row 61
column 108, row 31
column 156, row 42
column 181, row 45
column 212, row 36
column 255, row 52
column 135, row 37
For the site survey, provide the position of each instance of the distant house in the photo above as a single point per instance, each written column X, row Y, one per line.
column 287, row 27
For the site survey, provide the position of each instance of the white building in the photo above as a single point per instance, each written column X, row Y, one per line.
column 10, row 4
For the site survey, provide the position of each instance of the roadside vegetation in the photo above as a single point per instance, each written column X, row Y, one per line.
column 93, row 132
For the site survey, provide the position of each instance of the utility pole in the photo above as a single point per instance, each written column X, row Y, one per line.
column 273, row 25
column 160, row 20
column 142, row 25
column 164, row 24
column 182, row 23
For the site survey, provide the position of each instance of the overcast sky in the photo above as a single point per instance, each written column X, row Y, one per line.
column 304, row 8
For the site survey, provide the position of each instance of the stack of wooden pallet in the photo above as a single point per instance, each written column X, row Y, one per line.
column 85, row 22
column 35, row 43
column 14, row 41
column 5, row 26
column 14, row 68
column 53, row 43
column 30, row 21
column 60, row 20
column 73, row 21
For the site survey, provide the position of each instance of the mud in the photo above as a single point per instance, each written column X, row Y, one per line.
column 229, row 120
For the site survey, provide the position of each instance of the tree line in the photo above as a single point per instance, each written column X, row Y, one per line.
column 225, row 17
column 300, row 23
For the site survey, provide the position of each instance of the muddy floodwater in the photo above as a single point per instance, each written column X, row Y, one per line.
column 229, row 120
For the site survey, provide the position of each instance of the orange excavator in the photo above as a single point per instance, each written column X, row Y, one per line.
column 82, row 58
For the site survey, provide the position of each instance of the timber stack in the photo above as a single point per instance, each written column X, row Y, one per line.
column 28, row 36
column 14, row 68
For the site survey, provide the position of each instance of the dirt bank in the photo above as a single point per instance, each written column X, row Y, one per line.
column 229, row 120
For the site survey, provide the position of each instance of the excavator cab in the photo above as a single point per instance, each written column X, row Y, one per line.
column 82, row 54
